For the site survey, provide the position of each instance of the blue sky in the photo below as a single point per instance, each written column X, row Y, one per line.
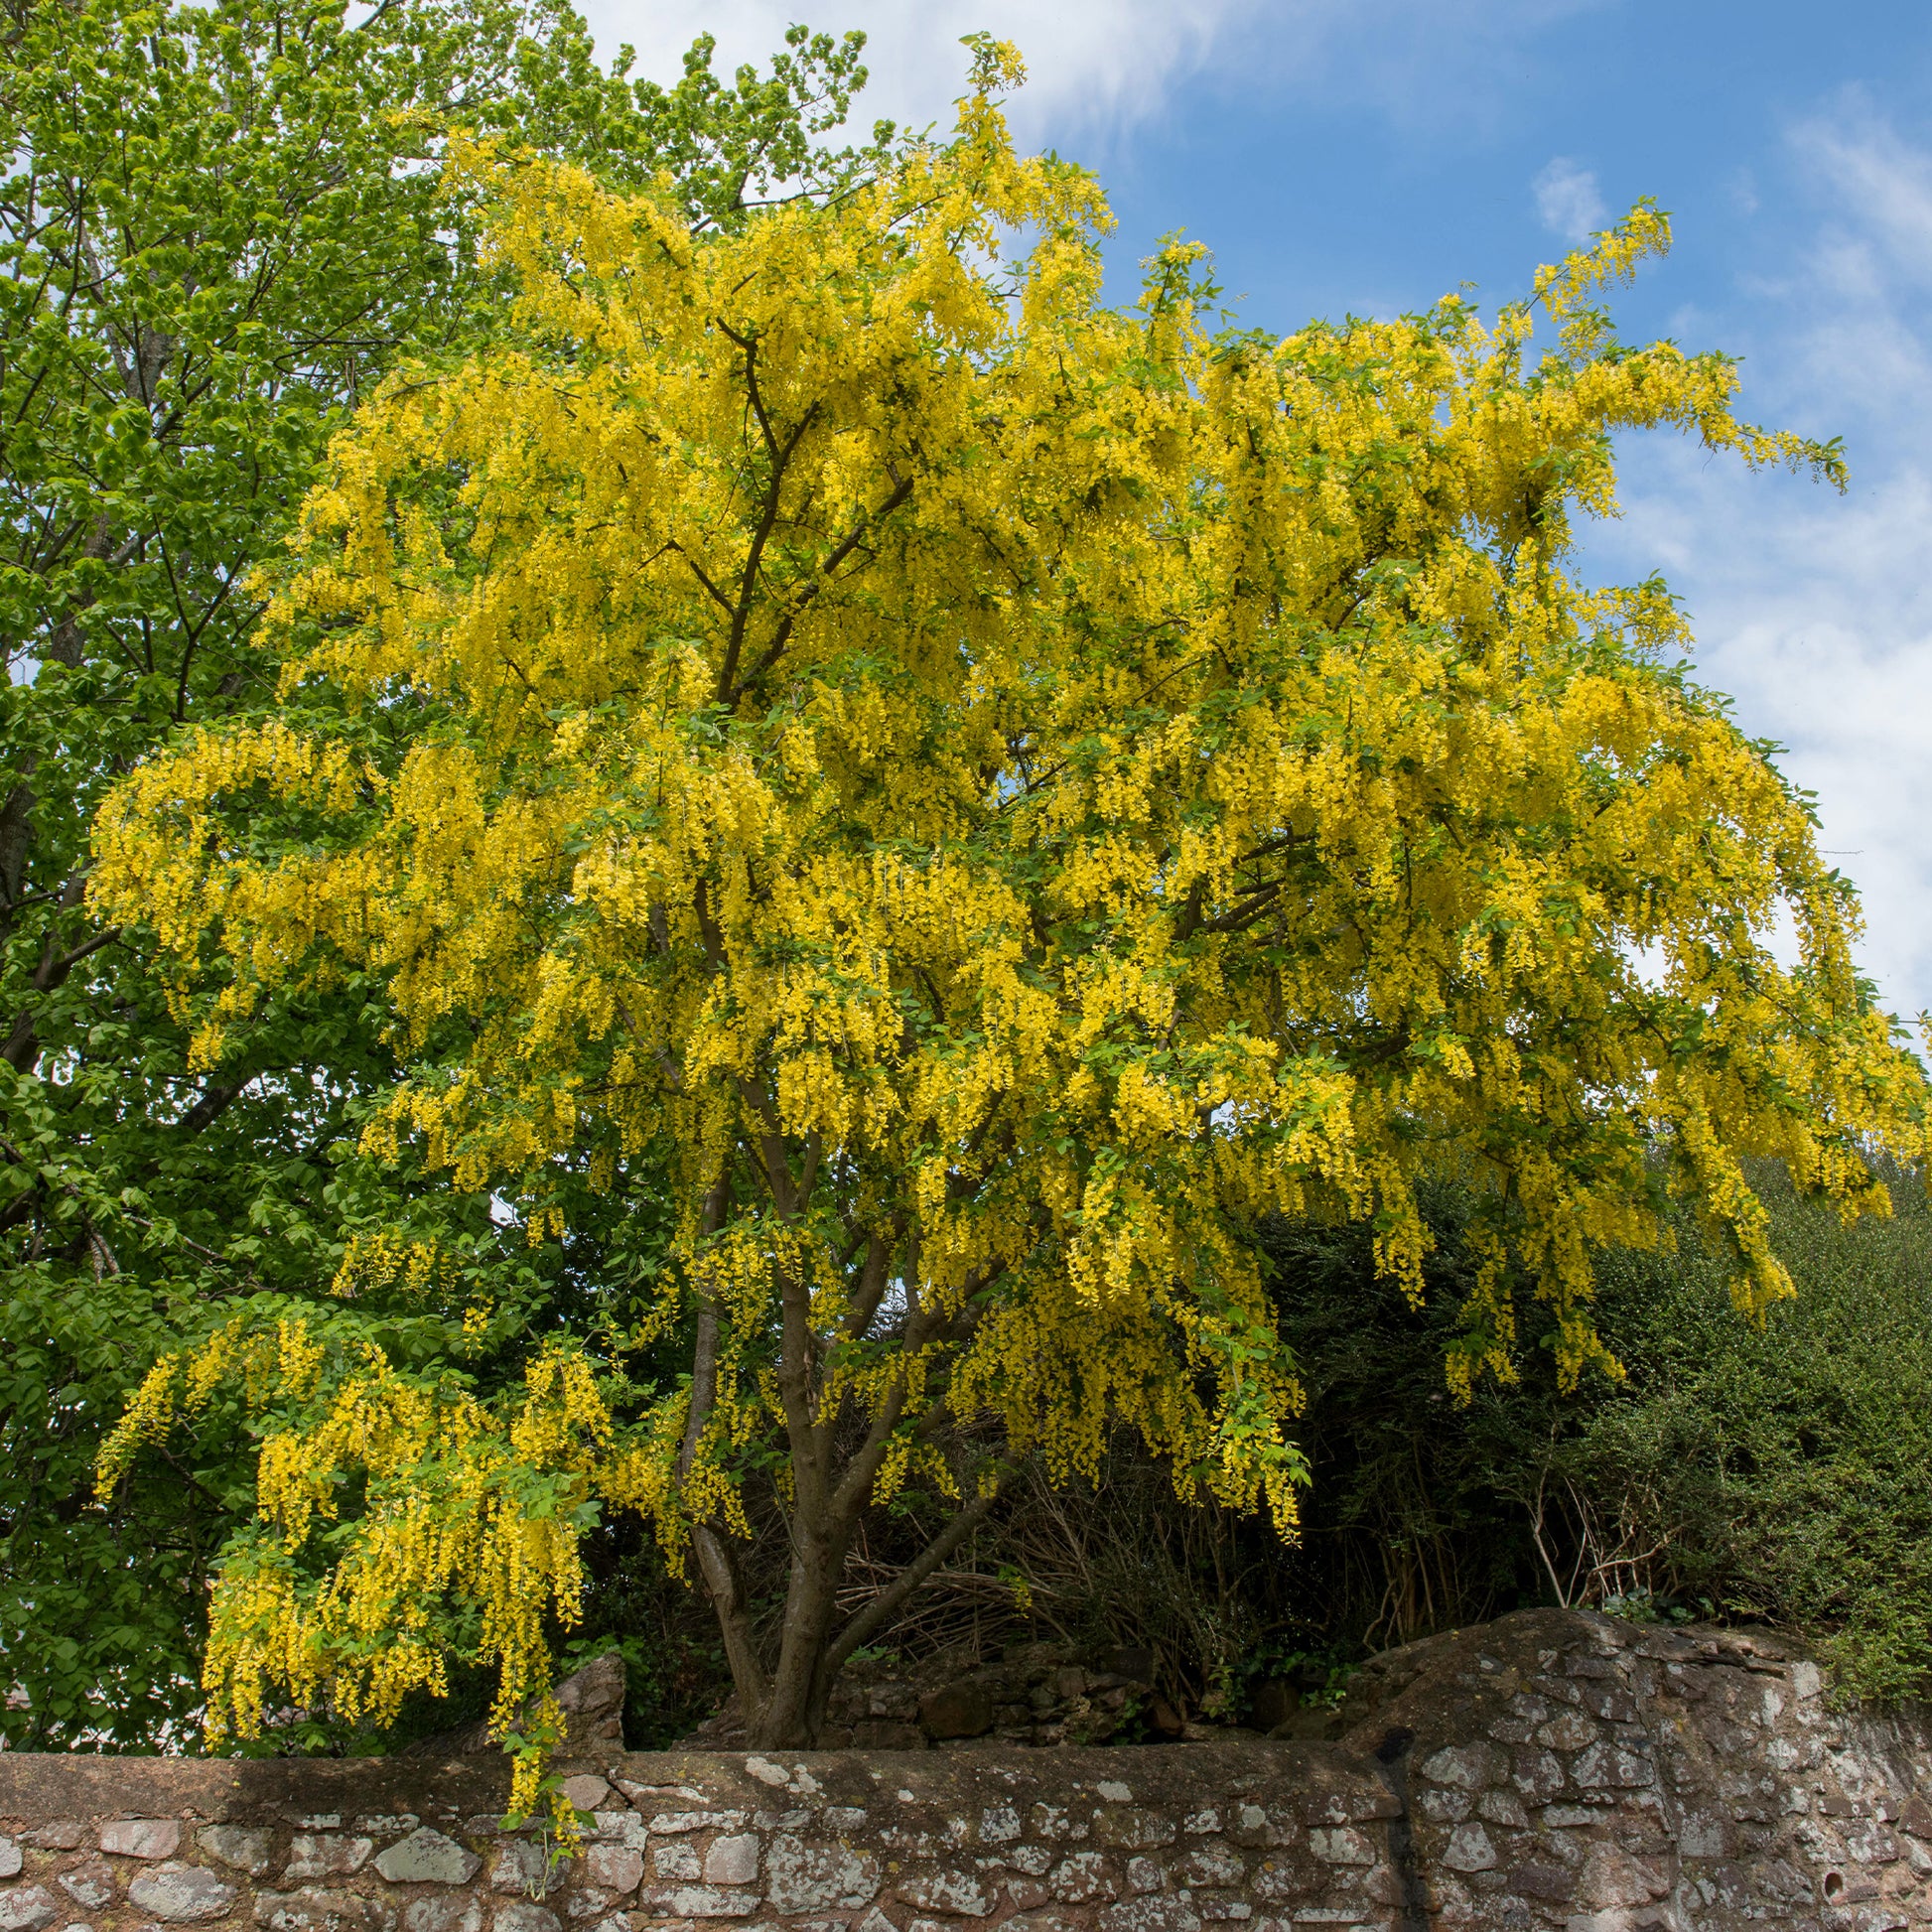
column 1338, row 156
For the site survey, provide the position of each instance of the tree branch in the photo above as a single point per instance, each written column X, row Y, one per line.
column 894, row 1596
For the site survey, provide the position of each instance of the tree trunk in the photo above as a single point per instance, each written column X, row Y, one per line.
column 788, row 1718
column 788, row 1708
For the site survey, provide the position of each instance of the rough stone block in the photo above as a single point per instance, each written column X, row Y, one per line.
column 1470, row 1850
column 26, row 1908
column 520, row 1867
column 438, row 1912
column 960, row 1893
column 1056, row 1822
column 1340, row 1845
column 587, row 1791
column 678, row 1860
column 1613, row 1705
column 1701, row 1836
column 999, row 1824
column 327, row 1854
column 1538, row 1775
column 675, row 1824
column 1868, row 1842
column 1468, row 1767
column 733, row 1859
column 615, row 1868
column 141, row 1838
column 1444, row 1805
column 1550, row 1882
column 1568, row 1731
column 57, row 1835
column 802, row 1878
column 241, row 1848
column 693, row 1901
column 1610, row 1767
column 313, row 1910
column 1504, row 1808
column 1082, row 1877
column 622, row 1828
column 1211, row 1864
column 1612, row 1877
column 90, row 1885
column 181, row 1895
column 1167, row 1913
column 522, row 1915
column 1132, row 1826
column 1276, row 1880
column 1564, row 1818
column 427, row 1857
column 963, row 1709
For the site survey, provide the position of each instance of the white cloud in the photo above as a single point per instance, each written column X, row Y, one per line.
column 1815, row 610
column 1567, row 200
column 1092, row 64
column 1882, row 183
column 1096, row 67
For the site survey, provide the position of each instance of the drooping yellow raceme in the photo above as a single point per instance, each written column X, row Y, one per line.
column 982, row 798
column 464, row 1509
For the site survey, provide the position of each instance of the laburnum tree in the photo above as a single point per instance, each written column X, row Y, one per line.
column 221, row 226
column 972, row 799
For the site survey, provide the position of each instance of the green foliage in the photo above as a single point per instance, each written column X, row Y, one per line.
column 220, row 226
column 1780, row 1474
column 101, row 1610
column 1746, row 1471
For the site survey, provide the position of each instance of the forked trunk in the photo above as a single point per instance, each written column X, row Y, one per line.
column 785, row 1708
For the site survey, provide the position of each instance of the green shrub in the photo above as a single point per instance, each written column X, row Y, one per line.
column 1780, row 1472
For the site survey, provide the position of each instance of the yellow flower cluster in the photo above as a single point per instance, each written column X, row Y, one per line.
column 469, row 1514
column 980, row 798
column 389, row 1257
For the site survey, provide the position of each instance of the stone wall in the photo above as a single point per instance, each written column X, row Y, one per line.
column 1552, row 1770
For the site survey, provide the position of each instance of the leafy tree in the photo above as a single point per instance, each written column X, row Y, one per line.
column 976, row 800
column 220, row 226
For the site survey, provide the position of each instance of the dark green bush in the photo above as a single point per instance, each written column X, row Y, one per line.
column 1780, row 1472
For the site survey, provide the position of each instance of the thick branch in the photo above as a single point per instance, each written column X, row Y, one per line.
column 782, row 636
column 721, row 1584
column 214, row 1103
column 704, row 1357
column 872, row 1283
column 893, row 1598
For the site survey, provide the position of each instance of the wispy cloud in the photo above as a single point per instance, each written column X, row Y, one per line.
column 1098, row 67
column 1092, row 64
column 1882, row 183
column 1567, row 200
column 1815, row 610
